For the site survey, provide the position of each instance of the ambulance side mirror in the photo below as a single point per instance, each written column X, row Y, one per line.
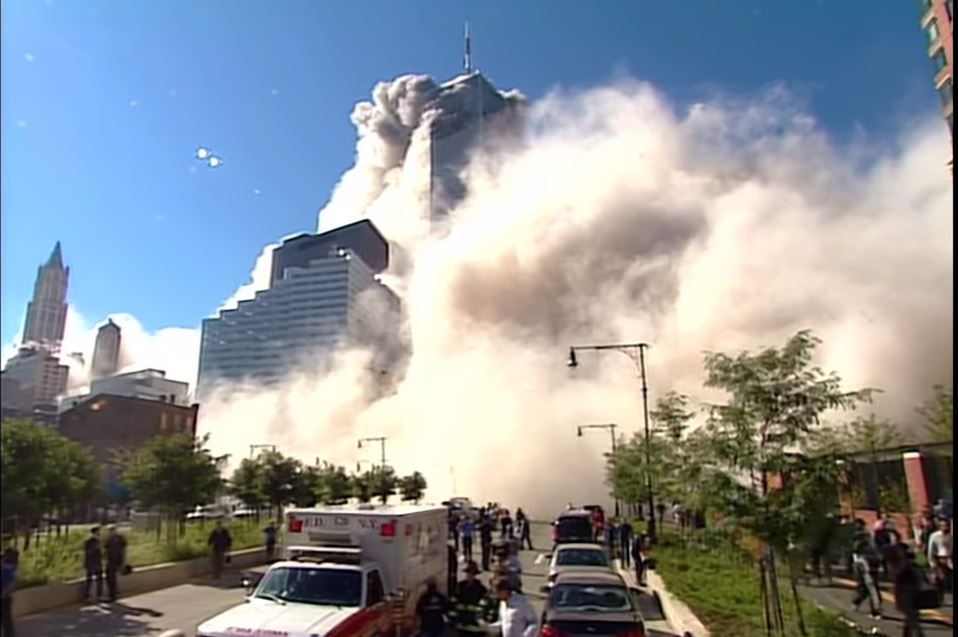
column 248, row 586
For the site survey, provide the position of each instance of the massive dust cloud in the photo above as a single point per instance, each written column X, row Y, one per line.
column 616, row 216
column 728, row 225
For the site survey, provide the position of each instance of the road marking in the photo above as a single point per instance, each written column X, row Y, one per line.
column 540, row 558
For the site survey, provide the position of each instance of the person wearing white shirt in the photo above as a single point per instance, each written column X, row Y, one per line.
column 940, row 555
column 517, row 617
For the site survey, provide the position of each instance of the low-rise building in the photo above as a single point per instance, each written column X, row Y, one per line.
column 109, row 425
column 148, row 384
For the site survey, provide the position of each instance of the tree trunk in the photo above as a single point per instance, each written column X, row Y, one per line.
column 763, row 594
column 778, row 615
column 799, row 616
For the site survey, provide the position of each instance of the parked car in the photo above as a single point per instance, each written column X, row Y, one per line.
column 573, row 526
column 592, row 604
column 578, row 558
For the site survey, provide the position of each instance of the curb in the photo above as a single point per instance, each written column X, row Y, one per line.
column 679, row 616
column 928, row 613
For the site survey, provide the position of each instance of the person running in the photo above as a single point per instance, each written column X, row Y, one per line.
column 638, row 557
column 625, row 543
column 940, row 557
column 8, row 577
column 525, row 530
column 431, row 609
column 517, row 617
column 885, row 536
column 469, row 604
column 452, row 566
column 115, row 546
column 506, row 524
column 865, row 564
column 907, row 580
column 220, row 542
column 270, row 534
column 609, row 537
column 485, row 540
column 467, row 529
column 93, row 563
column 454, row 530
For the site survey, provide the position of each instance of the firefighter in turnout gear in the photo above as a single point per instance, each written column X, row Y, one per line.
column 470, row 604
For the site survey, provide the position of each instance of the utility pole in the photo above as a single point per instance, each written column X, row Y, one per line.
column 611, row 427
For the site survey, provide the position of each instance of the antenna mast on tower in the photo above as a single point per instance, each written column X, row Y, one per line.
column 467, row 58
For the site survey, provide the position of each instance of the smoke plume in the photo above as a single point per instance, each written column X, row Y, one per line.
column 728, row 226
column 725, row 226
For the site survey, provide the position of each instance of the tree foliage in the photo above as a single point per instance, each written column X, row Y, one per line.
column 412, row 487
column 42, row 471
column 246, row 484
column 334, row 485
column 383, row 481
column 938, row 414
column 174, row 473
column 280, row 476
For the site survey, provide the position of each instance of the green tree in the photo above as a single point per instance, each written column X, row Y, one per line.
column 306, row 486
column 361, row 486
column 776, row 399
column 42, row 471
column 938, row 413
column 247, row 484
column 670, row 419
column 869, row 436
column 173, row 473
column 384, row 482
column 412, row 487
column 279, row 478
column 333, row 485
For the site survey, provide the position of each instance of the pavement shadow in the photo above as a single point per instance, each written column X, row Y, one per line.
column 114, row 620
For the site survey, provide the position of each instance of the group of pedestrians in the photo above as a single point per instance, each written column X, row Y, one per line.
column 95, row 549
column 620, row 541
column 473, row 609
column 881, row 554
column 487, row 522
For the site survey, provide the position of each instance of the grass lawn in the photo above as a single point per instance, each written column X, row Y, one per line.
column 60, row 559
column 720, row 585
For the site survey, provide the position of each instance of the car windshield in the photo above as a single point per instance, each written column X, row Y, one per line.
column 581, row 557
column 329, row 587
column 587, row 596
column 575, row 526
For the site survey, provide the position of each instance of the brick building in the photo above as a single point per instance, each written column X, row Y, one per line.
column 937, row 21
column 108, row 423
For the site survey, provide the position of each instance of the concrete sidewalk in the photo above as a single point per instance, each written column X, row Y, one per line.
column 679, row 618
column 943, row 615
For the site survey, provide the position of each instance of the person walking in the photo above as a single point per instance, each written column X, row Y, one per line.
column 8, row 578
column 452, row 566
column 270, row 534
column 506, row 523
column 469, row 604
column 115, row 546
column 865, row 565
column 93, row 563
column 625, row 542
column 485, row 540
column 940, row 557
column 454, row 530
column 517, row 617
column 638, row 557
column 906, row 580
column 431, row 609
column 467, row 529
column 608, row 539
column 525, row 534
column 220, row 542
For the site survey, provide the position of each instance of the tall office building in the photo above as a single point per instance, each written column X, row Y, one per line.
column 106, row 352
column 47, row 312
column 471, row 113
column 41, row 379
column 324, row 294
column 937, row 19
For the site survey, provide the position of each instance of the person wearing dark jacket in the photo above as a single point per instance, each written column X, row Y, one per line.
column 93, row 563
column 220, row 542
column 625, row 542
column 470, row 604
column 115, row 546
column 431, row 609
column 11, row 559
column 525, row 530
column 907, row 580
column 485, row 540
column 452, row 567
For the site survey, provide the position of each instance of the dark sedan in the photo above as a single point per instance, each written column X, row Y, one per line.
column 591, row 605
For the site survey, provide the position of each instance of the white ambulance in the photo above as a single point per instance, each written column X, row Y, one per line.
column 346, row 572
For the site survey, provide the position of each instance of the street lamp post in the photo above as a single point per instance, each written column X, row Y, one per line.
column 636, row 353
column 611, row 427
column 382, row 446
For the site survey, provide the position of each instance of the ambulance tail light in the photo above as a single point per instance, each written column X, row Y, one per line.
column 295, row 525
column 388, row 529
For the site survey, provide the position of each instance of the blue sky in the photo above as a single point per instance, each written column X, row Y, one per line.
column 105, row 102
